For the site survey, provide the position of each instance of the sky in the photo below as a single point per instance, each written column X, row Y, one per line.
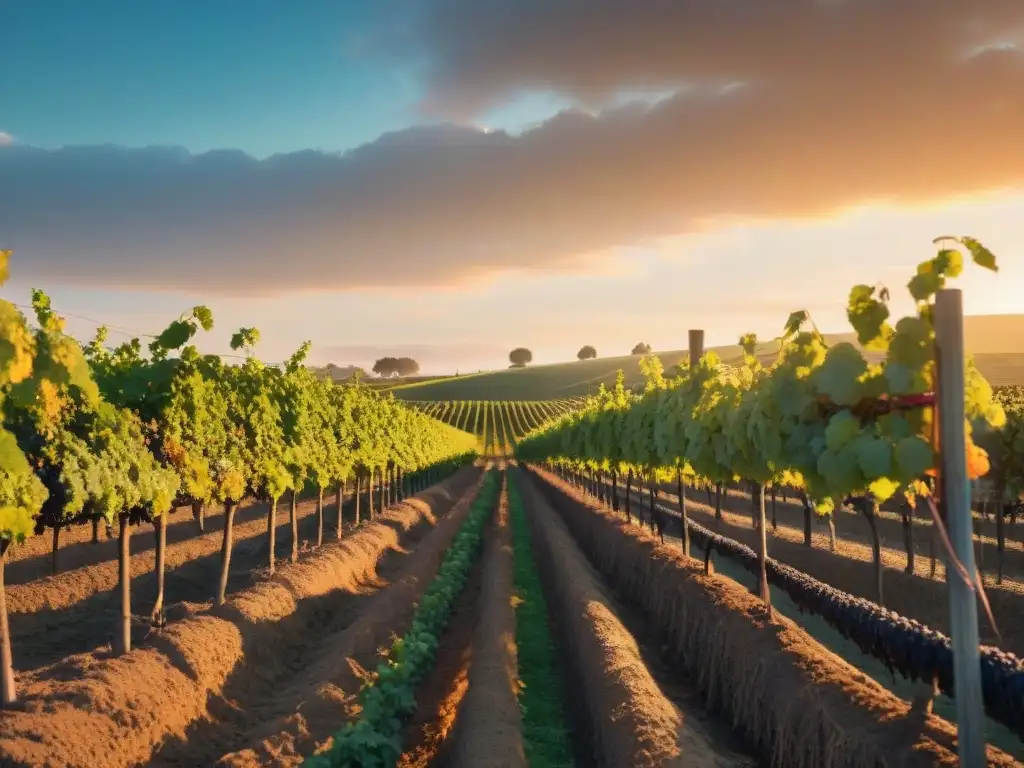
column 449, row 179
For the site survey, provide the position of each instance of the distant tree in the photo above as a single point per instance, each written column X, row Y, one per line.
column 396, row 366
column 641, row 349
column 386, row 366
column 520, row 357
column 586, row 353
column 407, row 366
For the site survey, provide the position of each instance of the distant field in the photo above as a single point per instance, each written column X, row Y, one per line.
column 499, row 425
column 382, row 385
column 997, row 343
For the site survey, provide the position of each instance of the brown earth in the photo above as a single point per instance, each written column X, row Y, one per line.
column 797, row 703
column 851, row 569
column 488, row 729
column 628, row 718
column 286, row 721
column 89, row 710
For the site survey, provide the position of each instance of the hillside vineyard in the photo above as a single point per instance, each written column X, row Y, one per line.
column 499, row 425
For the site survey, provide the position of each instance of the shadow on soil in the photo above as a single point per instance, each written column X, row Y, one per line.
column 274, row 650
column 46, row 636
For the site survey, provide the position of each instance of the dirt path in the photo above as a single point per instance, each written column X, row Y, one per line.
column 634, row 718
column 279, row 716
column 439, row 696
column 468, row 714
column 684, row 694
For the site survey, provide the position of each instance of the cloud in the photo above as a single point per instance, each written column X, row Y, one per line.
column 840, row 103
column 5, row 138
column 481, row 51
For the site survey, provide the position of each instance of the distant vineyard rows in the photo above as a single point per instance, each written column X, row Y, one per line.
column 499, row 424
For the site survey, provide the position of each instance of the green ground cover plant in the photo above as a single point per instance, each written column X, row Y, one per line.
column 545, row 735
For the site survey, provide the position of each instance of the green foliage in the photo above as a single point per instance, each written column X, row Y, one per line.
column 520, row 356
column 1006, row 446
column 545, row 734
column 245, row 338
column 811, row 418
column 375, row 739
column 64, row 452
column 104, row 432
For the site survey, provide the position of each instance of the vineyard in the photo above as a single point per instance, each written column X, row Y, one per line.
column 724, row 570
column 499, row 425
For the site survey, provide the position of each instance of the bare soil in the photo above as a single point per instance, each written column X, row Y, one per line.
column 631, row 721
column 90, row 710
column 796, row 703
column 487, row 723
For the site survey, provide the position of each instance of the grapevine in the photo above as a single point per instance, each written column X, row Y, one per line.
column 124, row 435
column 820, row 418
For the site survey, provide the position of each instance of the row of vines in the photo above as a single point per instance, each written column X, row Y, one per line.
column 840, row 430
column 126, row 435
column 499, row 424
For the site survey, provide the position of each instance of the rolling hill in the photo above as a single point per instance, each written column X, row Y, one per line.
column 995, row 341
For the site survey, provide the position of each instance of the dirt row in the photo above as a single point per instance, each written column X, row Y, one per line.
column 620, row 708
column 851, row 569
column 216, row 682
column 794, row 703
column 468, row 712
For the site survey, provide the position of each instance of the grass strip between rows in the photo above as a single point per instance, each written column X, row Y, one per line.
column 545, row 736
column 375, row 739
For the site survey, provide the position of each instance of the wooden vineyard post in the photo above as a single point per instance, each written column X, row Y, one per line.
column 696, row 353
column 696, row 347
column 956, row 498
